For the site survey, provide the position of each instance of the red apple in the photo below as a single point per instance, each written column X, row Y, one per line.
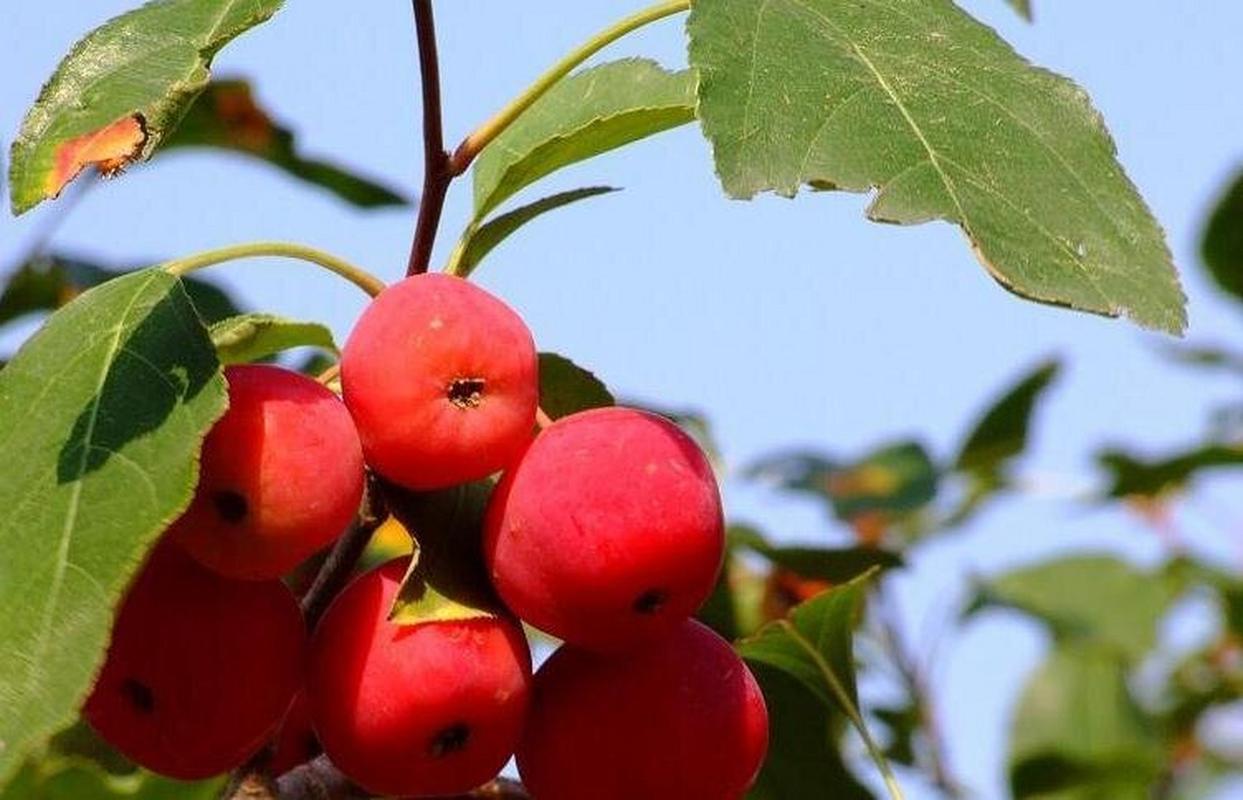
column 442, row 380
column 681, row 718
column 427, row 709
column 201, row 669
column 609, row 531
column 282, row 476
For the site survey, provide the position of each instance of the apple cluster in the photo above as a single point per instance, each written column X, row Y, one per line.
column 604, row 531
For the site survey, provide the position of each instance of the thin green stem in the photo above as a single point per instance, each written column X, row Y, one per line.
column 356, row 275
column 485, row 133
column 849, row 709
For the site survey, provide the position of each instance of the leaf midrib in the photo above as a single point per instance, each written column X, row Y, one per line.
column 848, row 706
column 934, row 157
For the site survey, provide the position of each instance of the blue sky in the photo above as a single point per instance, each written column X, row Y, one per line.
column 789, row 323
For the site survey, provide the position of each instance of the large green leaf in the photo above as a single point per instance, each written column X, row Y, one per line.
column 479, row 240
column 47, row 282
column 252, row 337
column 1001, row 433
column 918, row 100
column 122, row 89
column 1077, row 733
column 101, row 416
column 586, row 114
column 814, row 645
column 225, row 116
column 1222, row 247
column 566, row 388
column 1098, row 599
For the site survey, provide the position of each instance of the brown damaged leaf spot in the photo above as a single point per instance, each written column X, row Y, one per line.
column 110, row 149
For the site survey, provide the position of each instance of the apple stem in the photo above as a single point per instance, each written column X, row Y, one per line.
column 542, row 420
column 356, row 275
column 339, row 565
column 439, row 167
column 485, row 133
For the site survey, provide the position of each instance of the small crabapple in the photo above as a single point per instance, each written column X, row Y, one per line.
column 427, row 709
column 200, row 670
column 608, row 531
column 679, row 718
column 282, row 476
column 442, row 380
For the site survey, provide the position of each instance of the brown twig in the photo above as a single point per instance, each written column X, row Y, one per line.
column 917, row 688
column 252, row 785
column 437, row 173
column 343, row 557
column 320, row 780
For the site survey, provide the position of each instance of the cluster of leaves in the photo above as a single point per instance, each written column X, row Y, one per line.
column 913, row 100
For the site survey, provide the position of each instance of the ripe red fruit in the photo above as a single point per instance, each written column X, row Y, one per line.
column 430, row 709
column 681, row 718
column 282, row 476
column 609, row 530
column 442, row 380
column 201, row 668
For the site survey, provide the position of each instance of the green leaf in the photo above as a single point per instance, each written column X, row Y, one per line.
column 839, row 565
column 1097, row 599
column 252, row 337
column 47, row 282
column 815, row 646
column 480, row 240
column 896, row 479
column 77, row 779
column 1001, row 434
column 566, row 388
column 122, row 90
column 1134, row 476
column 225, row 116
column 916, row 99
column 1077, row 732
column 1222, row 245
column 587, row 114
column 447, row 578
column 804, row 752
column 101, row 416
